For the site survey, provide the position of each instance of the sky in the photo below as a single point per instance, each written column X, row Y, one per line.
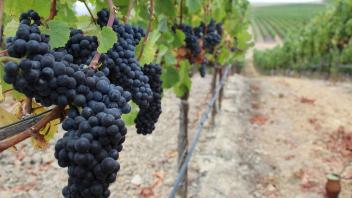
column 283, row 1
column 79, row 6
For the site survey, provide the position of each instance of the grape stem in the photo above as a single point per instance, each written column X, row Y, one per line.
column 7, row 91
column 149, row 28
column 181, row 12
column 1, row 20
column 31, row 131
column 4, row 52
column 90, row 12
column 27, row 106
column 8, row 58
column 53, row 10
column 130, row 6
column 93, row 64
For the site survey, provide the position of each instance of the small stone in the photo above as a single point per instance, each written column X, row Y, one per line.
column 137, row 180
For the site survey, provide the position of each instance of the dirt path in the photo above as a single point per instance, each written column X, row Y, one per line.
column 302, row 130
column 277, row 137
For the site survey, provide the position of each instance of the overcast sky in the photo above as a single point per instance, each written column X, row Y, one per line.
column 283, row 1
column 79, row 6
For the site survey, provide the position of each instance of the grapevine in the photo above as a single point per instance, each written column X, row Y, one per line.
column 59, row 76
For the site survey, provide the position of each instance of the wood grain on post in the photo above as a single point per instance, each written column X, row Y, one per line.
column 182, row 144
column 221, row 93
column 212, row 90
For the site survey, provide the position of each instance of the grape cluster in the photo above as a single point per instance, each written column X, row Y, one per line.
column 81, row 47
column 28, row 40
column 211, row 34
column 191, row 39
column 94, row 139
column 94, row 136
column 147, row 117
column 96, row 99
column 124, row 68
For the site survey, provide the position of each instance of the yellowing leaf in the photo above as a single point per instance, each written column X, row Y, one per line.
column 6, row 117
column 2, row 98
column 17, row 110
column 47, row 133
column 11, row 28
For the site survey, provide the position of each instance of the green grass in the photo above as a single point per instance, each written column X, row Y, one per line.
column 281, row 19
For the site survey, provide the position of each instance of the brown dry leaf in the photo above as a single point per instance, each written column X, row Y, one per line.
column 23, row 187
column 20, row 154
column 305, row 100
column 258, row 119
column 308, row 185
column 146, row 192
column 16, row 110
column 255, row 105
column 289, row 157
column 312, row 120
column 171, row 154
column 159, row 179
column 45, row 166
column 254, row 88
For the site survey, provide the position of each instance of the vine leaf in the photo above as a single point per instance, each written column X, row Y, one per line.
column 184, row 83
column 11, row 28
column 193, row 5
column 130, row 117
column 224, row 55
column 107, row 37
column 243, row 38
column 149, row 49
column 59, row 33
column 169, row 77
column 165, row 7
column 16, row 110
column 179, row 39
column 47, row 133
column 6, row 117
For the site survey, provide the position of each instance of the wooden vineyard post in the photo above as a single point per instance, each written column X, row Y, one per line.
column 221, row 93
column 182, row 145
column 212, row 89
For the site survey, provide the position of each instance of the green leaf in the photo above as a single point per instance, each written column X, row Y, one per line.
column 88, row 27
column 193, row 5
column 224, row 55
column 161, row 53
column 11, row 28
column 130, row 117
column 149, row 48
column 66, row 13
column 179, row 39
column 169, row 76
column 243, row 38
column 122, row 5
column 107, row 38
column 59, row 33
column 165, row 7
column 184, row 83
column 162, row 23
column 170, row 59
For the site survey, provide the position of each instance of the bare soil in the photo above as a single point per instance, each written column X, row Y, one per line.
column 274, row 137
